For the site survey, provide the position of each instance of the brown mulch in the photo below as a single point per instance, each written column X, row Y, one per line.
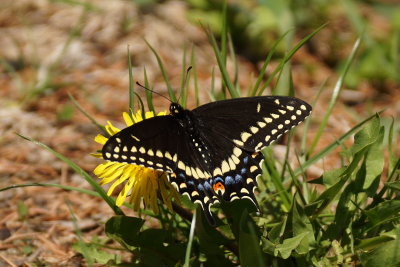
column 93, row 68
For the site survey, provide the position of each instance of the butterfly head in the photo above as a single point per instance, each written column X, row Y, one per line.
column 176, row 110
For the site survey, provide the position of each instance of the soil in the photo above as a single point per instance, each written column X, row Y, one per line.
column 52, row 49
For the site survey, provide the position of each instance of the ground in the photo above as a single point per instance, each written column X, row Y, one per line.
column 50, row 49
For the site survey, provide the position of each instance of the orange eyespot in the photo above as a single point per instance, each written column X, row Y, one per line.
column 219, row 186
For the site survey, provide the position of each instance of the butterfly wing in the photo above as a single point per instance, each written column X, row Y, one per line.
column 161, row 143
column 220, row 158
column 253, row 123
column 236, row 130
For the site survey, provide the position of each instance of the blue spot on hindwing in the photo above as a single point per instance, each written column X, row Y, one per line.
column 243, row 171
column 238, row 178
column 200, row 187
column 207, row 186
column 246, row 160
column 229, row 180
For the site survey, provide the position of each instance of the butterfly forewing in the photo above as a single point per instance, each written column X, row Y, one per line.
column 255, row 122
column 150, row 143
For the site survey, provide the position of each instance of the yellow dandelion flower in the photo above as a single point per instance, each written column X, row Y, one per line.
column 138, row 182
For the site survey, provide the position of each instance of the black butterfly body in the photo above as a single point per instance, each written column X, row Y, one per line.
column 211, row 152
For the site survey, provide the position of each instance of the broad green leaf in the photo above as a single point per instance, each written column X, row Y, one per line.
column 249, row 243
column 151, row 237
column 267, row 246
column 301, row 224
column 367, row 136
column 383, row 211
column 374, row 242
column 329, row 178
column 234, row 212
column 209, row 238
column 326, row 197
column 393, row 185
column 99, row 256
column 344, row 210
column 285, row 249
column 374, row 162
column 387, row 254
column 125, row 230
column 277, row 231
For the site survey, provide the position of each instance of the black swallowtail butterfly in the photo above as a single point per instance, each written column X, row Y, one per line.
column 210, row 153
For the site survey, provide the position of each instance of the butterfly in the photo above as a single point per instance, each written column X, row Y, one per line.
column 210, row 153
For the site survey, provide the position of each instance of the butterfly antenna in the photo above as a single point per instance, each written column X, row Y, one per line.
column 154, row 92
column 184, row 82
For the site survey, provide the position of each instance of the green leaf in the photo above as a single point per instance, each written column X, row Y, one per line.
column 329, row 178
column 125, row 230
column 325, row 198
column 302, row 224
column 209, row 238
column 367, row 136
column 374, row 162
column 393, row 185
column 277, row 231
column 383, row 211
column 249, row 243
column 344, row 210
column 387, row 254
column 87, row 115
column 99, row 256
column 285, row 249
column 369, row 244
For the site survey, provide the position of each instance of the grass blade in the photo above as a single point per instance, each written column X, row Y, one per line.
column 65, row 187
column 190, row 241
column 81, row 172
column 149, row 95
column 87, row 115
column 307, row 122
column 265, row 64
column 332, row 146
column 231, row 88
column 335, row 94
column 131, row 85
column 195, row 81
column 288, row 57
column 164, row 73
